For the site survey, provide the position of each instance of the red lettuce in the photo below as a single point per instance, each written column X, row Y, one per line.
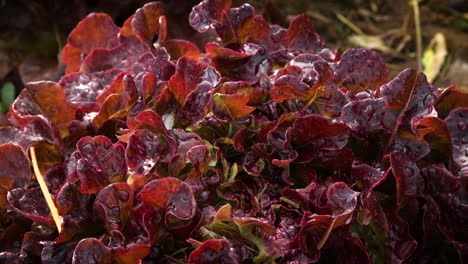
column 264, row 146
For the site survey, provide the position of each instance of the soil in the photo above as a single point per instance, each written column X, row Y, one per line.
column 33, row 32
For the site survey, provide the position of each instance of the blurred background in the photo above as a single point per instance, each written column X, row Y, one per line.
column 33, row 32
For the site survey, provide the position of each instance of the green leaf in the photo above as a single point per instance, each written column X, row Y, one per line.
column 7, row 96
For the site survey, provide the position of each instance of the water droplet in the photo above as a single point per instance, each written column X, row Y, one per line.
column 429, row 100
column 462, row 125
column 367, row 109
column 464, row 140
column 409, row 172
column 123, row 196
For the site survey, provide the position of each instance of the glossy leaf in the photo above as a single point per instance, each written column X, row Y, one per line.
column 310, row 134
column 266, row 146
column 458, row 129
column 122, row 56
column 31, row 204
column 156, row 62
column 91, row 250
column 50, row 99
column 450, row 99
column 411, row 95
column 191, row 75
column 239, row 66
column 16, row 171
column 360, row 69
column 301, row 35
column 180, row 47
column 234, row 105
column 82, row 89
column 97, row 30
column 408, row 177
column 145, row 24
column 171, row 194
column 113, row 205
column 207, row 13
column 213, row 251
column 100, row 163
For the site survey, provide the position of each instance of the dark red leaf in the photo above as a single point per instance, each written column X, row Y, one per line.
column 367, row 176
column 435, row 132
column 253, row 164
column 53, row 253
column 97, row 30
column 171, row 194
column 91, row 251
column 122, row 57
column 310, row 134
column 314, row 232
column 207, row 13
column 240, row 25
column 113, row 205
column 368, row 116
column 342, row 201
column 113, row 104
column 232, row 105
column 400, row 244
column 82, row 89
column 145, row 150
column 410, row 95
column 72, row 58
column 213, row 251
column 457, row 125
column 301, row 35
column 191, row 75
column 101, row 162
column 239, row 66
column 180, row 47
column 450, row 99
column 447, row 195
column 49, row 97
column 31, row 203
column 407, row 175
column 156, row 62
column 15, row 172
column 360, row 69
column 146, row 24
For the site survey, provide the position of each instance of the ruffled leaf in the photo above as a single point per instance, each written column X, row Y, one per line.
column 100, row 162
column 113, row 205
column 234, row 105
column 146, row 24
column 97, row 30
column 206, row 14
column 170, row 194
column 458, row 129
column 450, row 99
column 15, row 172
column 360, row 69
column 49, row 98
column 213, row 251
column 191, row 75
column 310, row 134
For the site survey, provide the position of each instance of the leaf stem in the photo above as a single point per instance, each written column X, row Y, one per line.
column 417, row 24
column 312, row 99
column 45, row 191
column 350, row 24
